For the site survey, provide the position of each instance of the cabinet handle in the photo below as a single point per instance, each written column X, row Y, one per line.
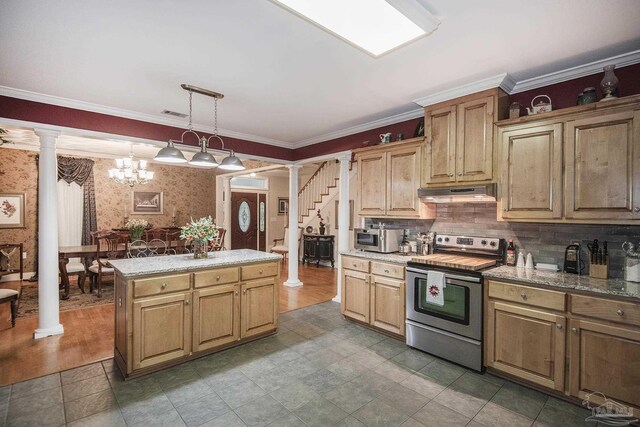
column 575, row 330
column 636, row 209
column 164, row 286
column 559, row 326
column 620, row 313
column 523, row 295
column 119, row 302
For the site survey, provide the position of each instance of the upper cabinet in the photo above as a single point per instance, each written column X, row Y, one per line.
column 581, row 164
column 459, row 138
column 388, row 179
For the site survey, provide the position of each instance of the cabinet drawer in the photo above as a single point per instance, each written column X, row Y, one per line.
column 606, row 309
column 388, row 270
column 357, row 264
column 259, row 270
column 161, row 285
column 544, row 298
column 216, row 277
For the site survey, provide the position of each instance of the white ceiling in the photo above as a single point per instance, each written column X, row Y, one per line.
column 285, row 79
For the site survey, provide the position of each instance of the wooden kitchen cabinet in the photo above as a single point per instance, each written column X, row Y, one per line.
column 259, row 307
column 532, row 172
column 604, row 359
column 603, row 167
column 161, row 329
column 216, row 316
column 389, row 178
column 459, row 138
column 374, row 295
column 527, row 343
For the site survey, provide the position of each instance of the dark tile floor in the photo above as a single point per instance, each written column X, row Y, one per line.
column 319, row 370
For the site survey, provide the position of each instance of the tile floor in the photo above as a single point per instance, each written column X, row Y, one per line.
column 319, row 370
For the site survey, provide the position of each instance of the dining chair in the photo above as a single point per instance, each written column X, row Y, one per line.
column 155, row 234
column 10, row 296
column 77, row 268
column 138, row 249
column 109, row 246
column 283, row 249
column 217, row 244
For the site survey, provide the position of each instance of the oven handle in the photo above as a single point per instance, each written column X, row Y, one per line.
column 446, row 275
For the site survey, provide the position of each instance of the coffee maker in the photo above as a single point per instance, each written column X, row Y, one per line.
column 572, row 259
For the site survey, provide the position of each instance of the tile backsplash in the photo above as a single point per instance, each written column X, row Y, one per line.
column 546, row 242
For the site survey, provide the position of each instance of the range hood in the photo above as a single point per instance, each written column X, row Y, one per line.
column 458, row 194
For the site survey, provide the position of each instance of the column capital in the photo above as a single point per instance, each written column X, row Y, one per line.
column 345, row 157
column 294, row 167
column 46, row 133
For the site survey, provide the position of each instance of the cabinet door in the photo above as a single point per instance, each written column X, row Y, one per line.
column 388, row 304
column 216, row 316
column 403, row 181
column 603, row 167
column 474, row 142
column 259, row 306
column 355, row 295
column 604, row 359
column 371, row 179
column 161, row 329
column 440, row 159
column 532, row 172
column 526, row 343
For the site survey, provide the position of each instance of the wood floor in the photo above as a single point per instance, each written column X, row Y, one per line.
column 88, row 332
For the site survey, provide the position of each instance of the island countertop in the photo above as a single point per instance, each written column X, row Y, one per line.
column 394, row 258
column 135, row 267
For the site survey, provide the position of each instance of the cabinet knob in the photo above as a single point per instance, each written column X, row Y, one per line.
column 523, row 295
column 386, row 271
column 355, row 265
column 260, row 272
column 620, row 313
column 217, row 278
column 186, row 302
column 459, row 173
column 636, row 209
column 559, row 326
column 504, row 209
column 450, row 174
column 236, row 292
column 119, row 302
column 575, row 330
column 163, row 286
column 244, row 291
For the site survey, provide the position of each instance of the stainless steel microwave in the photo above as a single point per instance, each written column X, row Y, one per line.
column 384, row 240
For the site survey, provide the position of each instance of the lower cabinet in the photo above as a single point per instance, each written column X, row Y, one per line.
column 161, row 329
column 372, row 298
column 169, row 324
column 525, row 342
column 604, row 359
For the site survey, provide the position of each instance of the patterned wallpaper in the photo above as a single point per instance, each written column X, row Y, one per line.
column 189, row 190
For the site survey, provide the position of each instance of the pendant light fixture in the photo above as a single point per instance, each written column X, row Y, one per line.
column 203, row 158
column 130, row 171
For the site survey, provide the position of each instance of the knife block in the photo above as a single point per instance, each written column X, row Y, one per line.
column 599, row 271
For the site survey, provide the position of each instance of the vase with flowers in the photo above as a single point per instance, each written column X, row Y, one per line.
column 321, row 229
column 199, row 233
column 136, row 228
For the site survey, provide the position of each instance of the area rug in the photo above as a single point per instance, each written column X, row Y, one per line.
column 28, row 301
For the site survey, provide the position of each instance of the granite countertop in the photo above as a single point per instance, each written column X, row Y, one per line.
column 394, row 258
column 134, row 267
column 617, row 287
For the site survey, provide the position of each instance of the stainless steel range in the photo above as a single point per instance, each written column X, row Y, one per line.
column 445, row 297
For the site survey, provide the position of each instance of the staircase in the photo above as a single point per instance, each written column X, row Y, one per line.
column 321, row 187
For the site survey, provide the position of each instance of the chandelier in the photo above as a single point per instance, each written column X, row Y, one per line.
column 131, row 172
column 170, row 154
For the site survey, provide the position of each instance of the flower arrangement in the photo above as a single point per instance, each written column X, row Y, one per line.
column 202, row 230
column 321, row 219
column 136, row 227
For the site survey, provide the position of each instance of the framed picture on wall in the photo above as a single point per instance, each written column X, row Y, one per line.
column 350, row 214
column 12, row 210
column 147, row 203
column 283, row 205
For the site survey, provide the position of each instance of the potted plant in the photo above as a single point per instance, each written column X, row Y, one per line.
column 199, row 233
column 321, row 228
column 136, row 227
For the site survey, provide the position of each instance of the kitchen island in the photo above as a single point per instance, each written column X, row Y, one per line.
column 175, row 308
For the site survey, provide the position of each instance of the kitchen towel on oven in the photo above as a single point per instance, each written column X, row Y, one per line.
column 435, row 288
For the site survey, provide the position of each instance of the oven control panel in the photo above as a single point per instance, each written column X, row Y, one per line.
column 466, row 242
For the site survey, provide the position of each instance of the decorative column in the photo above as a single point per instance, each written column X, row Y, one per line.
column 48, row 294
column 293, row 281
column 343, row 216
column 227, row 211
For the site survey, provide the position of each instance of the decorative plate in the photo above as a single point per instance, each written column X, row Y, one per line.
column 309, row 229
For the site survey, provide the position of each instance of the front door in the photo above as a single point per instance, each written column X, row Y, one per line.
column 248, row 221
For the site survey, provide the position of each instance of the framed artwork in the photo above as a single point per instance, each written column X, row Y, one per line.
column 350, row 214
column 12, row 210
column 147, row 203
column 283, row 205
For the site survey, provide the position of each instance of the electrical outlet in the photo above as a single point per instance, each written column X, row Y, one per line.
column 24, row 255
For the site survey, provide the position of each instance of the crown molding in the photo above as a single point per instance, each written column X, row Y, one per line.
column 397, row 118
column 594, row 67
column 501, row 80
column 127, row 114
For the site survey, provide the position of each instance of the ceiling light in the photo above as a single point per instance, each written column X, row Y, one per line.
column 131, row 172
column 170, row 154
column 376, row 26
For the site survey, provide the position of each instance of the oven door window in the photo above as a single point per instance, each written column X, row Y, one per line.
column 366, row 239
column 456, row 302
